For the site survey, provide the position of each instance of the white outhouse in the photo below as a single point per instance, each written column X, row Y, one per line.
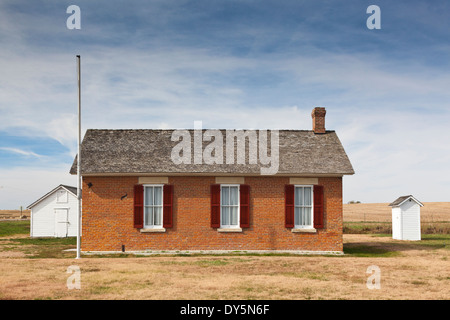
column 55, row 213
column 406, row 218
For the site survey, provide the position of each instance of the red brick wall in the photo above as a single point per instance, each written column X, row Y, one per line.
column 108, row 220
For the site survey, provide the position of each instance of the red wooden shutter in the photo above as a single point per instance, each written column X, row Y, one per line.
column 318, row 207
column 167, row 206
column 289, row 205
column 244, row 199
column 215, row 206
column 138, row 206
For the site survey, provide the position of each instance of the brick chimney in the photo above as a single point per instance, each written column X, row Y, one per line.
column 318, row 119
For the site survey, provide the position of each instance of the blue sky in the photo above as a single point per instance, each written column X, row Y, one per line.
column 231, row 64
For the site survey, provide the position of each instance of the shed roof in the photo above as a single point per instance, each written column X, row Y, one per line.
column 301, row 152
column 400, row 200
column 72, row 190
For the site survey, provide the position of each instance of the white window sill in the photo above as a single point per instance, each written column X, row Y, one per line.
column 155, row 230
column 229, row 230
column 305, row 230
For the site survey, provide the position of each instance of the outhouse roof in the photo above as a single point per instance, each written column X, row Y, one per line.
column 400, row 200
column 72, row 190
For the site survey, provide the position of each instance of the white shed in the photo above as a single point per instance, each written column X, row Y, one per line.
column 55, row 214
column 406, row 218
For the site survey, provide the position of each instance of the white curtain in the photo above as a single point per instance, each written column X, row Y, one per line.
column 225, row 216
column 148, row 216
column 225, row 197
column 234, row 198
column 148, row 196
column 157, row 211
column 307, row 209
column 157, row 196
column 307, row 198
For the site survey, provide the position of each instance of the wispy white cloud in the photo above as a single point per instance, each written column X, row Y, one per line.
column 21, row 152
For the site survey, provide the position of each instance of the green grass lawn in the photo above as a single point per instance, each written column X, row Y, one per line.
column 368, row 227
column 9, row 228
column 33, row 247
column 369, row 251
column 434, row 241
column 54, row 247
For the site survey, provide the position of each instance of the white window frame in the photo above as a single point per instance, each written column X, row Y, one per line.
column 311, row 226
column 159, row 226
column 238, row 225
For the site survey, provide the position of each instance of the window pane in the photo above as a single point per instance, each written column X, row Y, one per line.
column 148, row 216
column 233, row 216
column 299, row 196
column 225, row 216
column 307, row 216
column 157, row 211
column 234, row 195
column 307, row 196
column 225, row 197
column 297, row 216
column 302, row 216
column 157, row 196
column 148, row 196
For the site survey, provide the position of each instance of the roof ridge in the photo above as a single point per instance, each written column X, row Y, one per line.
column 294, row 130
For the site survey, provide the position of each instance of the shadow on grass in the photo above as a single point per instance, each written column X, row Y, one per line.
column 368, row 250
column 395, row 247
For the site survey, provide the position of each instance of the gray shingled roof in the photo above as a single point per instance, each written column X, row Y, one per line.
column 71, row 189
column 149, row 151
column 402, row 199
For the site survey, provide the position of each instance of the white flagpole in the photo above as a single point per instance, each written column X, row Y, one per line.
column 79, row 161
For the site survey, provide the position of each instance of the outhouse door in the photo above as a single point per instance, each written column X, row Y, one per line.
column 396, row 223
column 61, row 222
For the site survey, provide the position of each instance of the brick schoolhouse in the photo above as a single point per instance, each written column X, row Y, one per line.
column 137, row 198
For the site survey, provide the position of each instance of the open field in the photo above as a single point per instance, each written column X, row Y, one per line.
column 381, row 212
column 377, row 218
column 37, row 269
column 14, row 214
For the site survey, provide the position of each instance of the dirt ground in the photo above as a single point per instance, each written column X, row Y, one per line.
column 415, row 272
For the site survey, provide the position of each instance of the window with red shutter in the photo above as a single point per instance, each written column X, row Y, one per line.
column 244, row 199
column 215, row 206
column 318, row 207
column 167, row 206
column 138, row 206
column 289, row 205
